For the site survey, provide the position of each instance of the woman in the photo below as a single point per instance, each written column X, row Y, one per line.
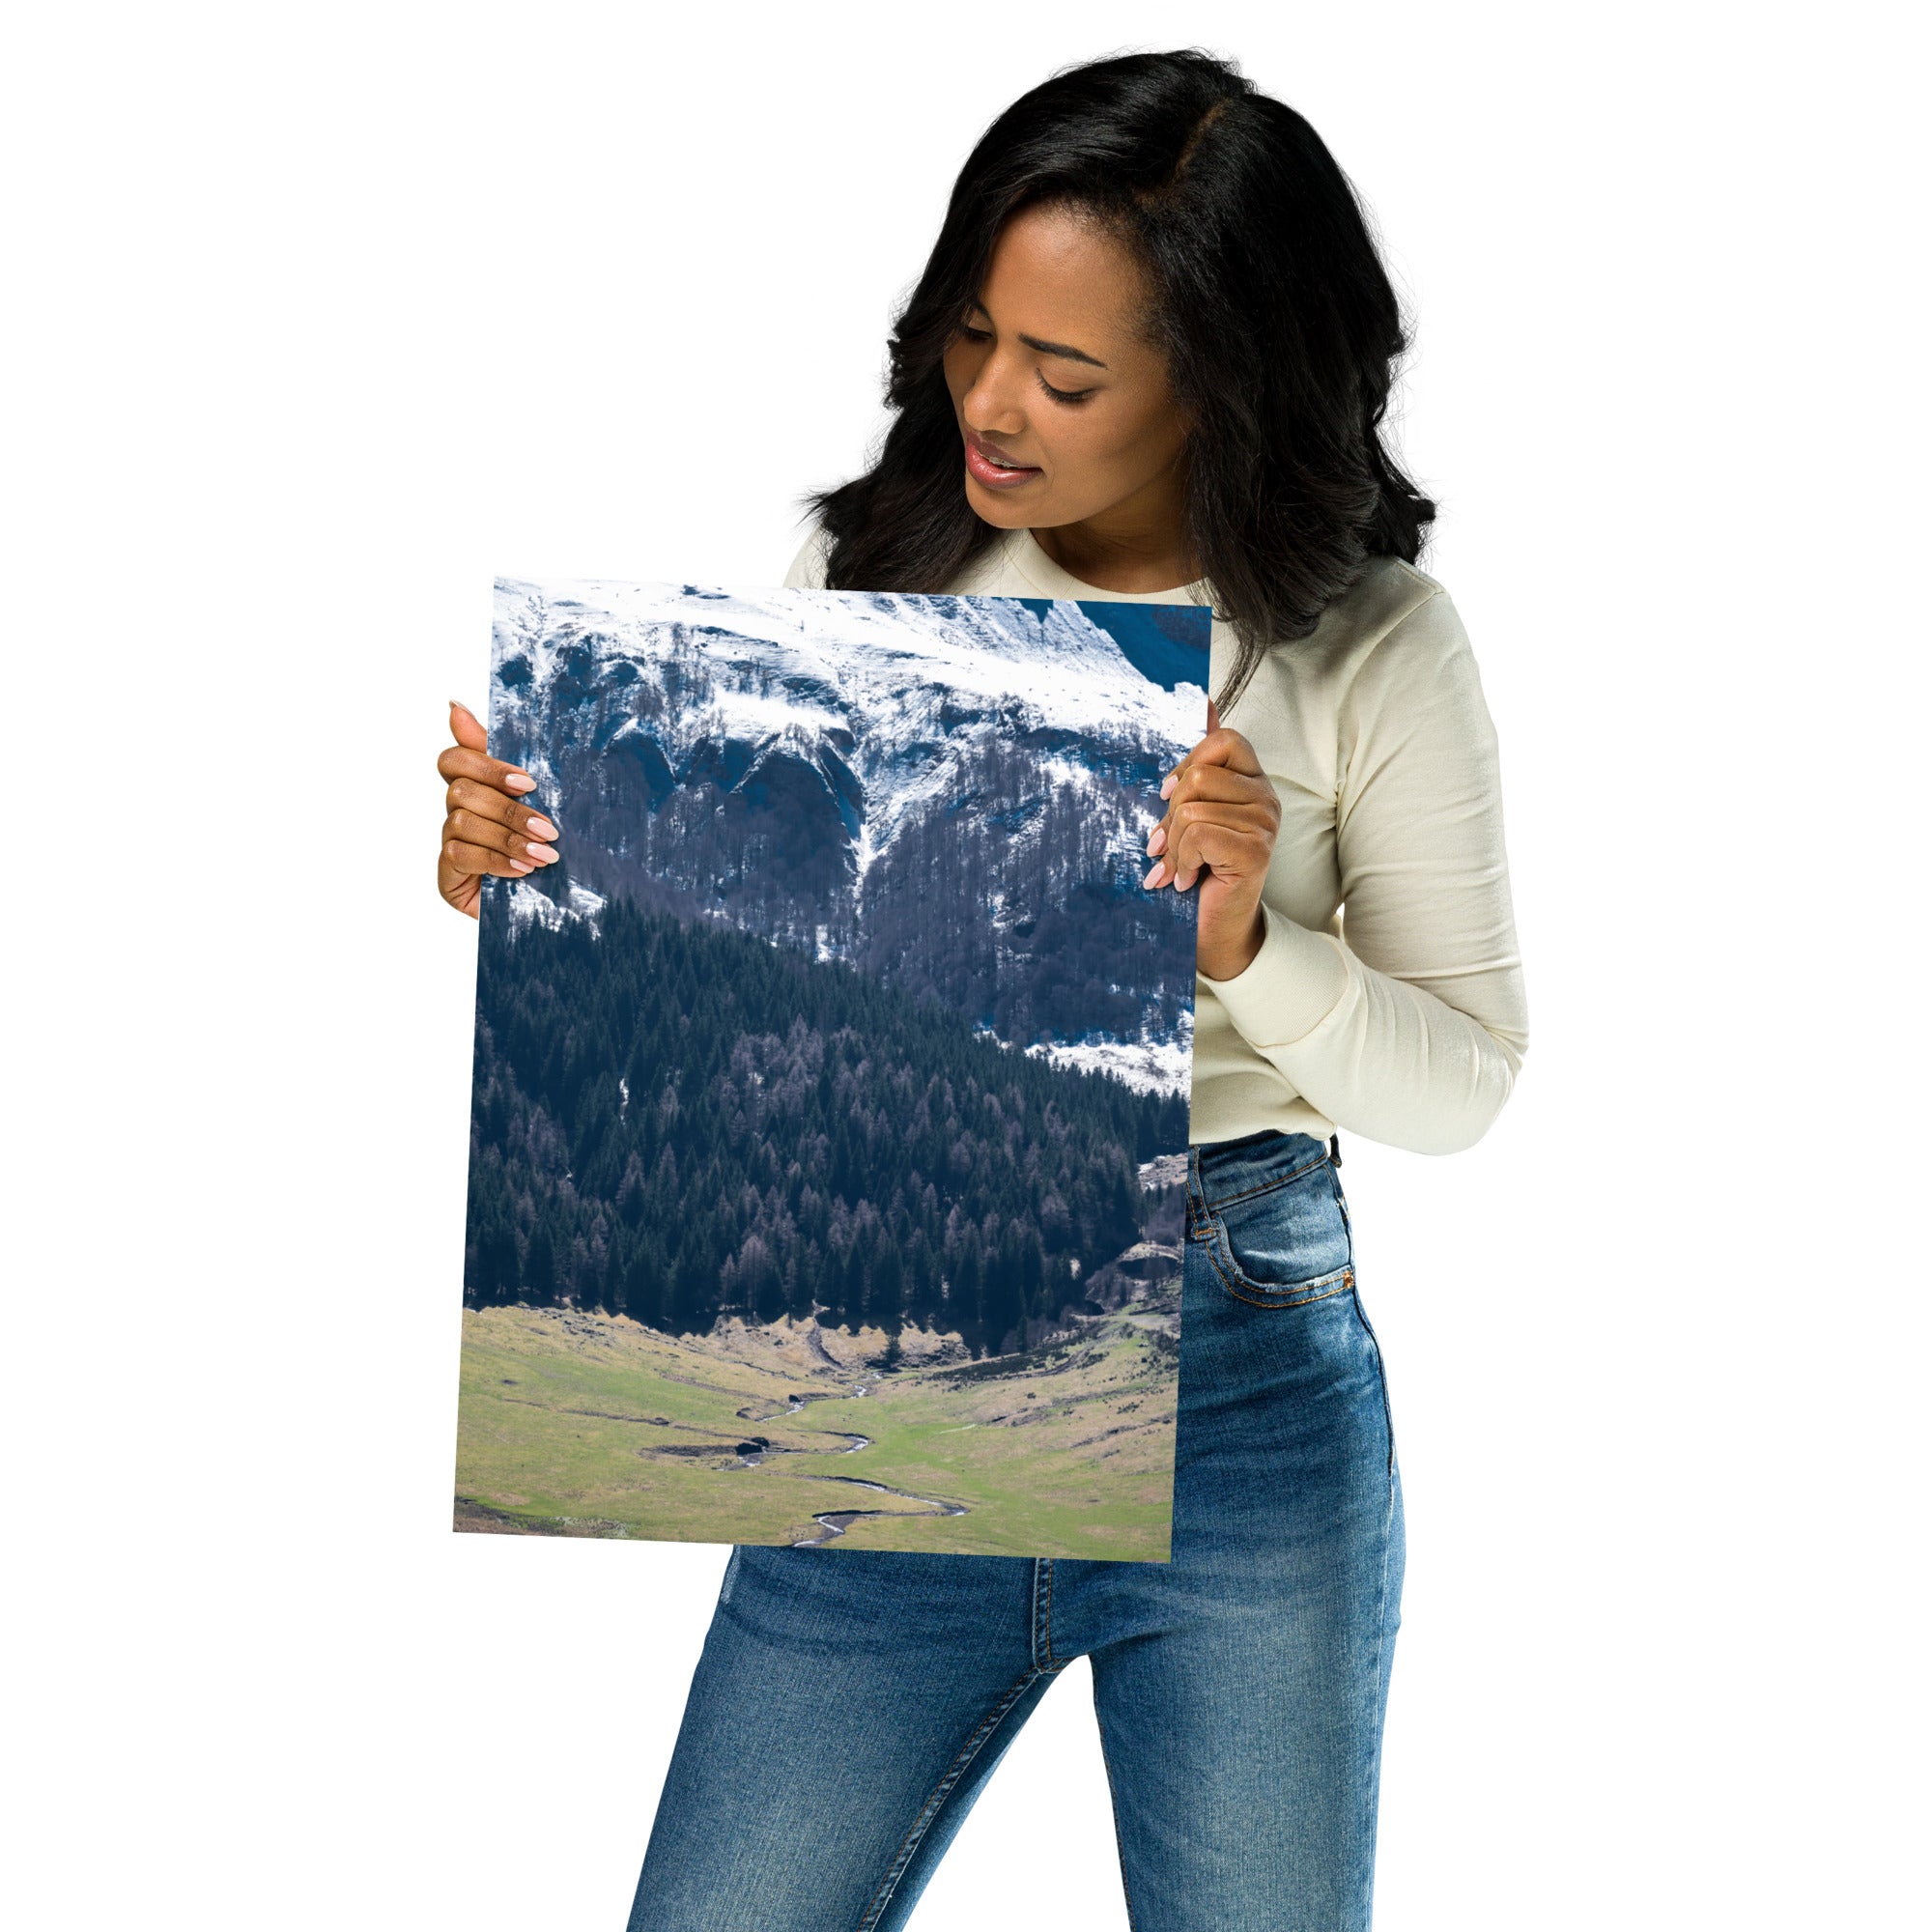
column 1149, row 359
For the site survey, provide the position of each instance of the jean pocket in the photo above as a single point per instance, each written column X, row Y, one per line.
column 1285, row 1243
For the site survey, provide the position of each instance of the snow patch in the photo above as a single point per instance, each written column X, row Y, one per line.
column 1163, row 1067
column 756, row 713
column 527, row 904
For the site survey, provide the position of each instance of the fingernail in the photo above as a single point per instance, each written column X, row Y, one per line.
column 542, row 828
column 519, row 782
column 1155, row 873
column 1156, row 839
column 1168, row 783
column 517, row 866
column 457, row 704
column 543, row 853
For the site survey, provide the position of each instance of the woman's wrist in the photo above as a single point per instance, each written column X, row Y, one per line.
column 1226, row 960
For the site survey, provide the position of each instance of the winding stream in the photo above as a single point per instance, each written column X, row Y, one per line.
column 836, row 1522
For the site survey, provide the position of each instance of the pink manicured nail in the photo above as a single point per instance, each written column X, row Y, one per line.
column 1156, row 839
column 519, row 782
column 1159, row 867
column 1168, row 783
column 542, row 828
column 544, row 853
column 517, row 866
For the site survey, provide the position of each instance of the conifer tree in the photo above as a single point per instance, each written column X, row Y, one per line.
column 892, row 1165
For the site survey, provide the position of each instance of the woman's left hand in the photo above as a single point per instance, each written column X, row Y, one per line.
column 1222, row 816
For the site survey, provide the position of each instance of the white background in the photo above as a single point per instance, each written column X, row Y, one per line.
column 319, row 317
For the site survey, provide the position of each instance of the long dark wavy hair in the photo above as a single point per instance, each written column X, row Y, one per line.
column 1270, row 302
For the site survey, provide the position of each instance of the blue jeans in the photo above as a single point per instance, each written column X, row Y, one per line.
column 850, row 1704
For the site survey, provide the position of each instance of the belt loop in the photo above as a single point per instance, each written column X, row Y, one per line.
column 1335, row 1149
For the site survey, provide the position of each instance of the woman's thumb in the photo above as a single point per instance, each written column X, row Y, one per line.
column 466, row 727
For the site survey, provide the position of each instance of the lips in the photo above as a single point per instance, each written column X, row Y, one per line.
column 996, row 471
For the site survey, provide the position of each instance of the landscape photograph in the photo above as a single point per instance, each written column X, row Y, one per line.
column 829, row 1114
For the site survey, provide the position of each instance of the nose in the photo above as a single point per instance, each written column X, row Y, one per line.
column 990, row 405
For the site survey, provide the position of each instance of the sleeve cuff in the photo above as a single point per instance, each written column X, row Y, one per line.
column 1287, row 988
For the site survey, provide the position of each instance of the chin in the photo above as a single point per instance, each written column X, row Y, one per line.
column 998, row 508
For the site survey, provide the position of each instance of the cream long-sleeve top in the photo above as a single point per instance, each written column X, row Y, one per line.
column 1387, row 997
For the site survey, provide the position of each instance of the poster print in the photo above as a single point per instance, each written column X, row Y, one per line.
column 830, row 1101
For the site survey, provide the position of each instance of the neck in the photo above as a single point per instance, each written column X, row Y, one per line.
column 1138, row 546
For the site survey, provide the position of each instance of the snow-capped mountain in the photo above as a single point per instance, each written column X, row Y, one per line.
column 952, row 793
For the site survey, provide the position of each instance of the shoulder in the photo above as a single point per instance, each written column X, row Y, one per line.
column 808, row 567
column 1388, row 666
column 1408, row 675
column 1394, row 643
column 1394, row 626
column 1393, row 620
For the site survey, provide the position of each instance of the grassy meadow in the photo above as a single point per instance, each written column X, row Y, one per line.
column 586, row 1424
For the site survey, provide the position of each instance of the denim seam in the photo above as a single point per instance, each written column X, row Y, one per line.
column 1343, row 1287
column 1282, row 1181
column 1371, row 1730
column 1370, row 1779
column 1042, row 1617
column 968, row 1751
column 1381, row 1379
column 1114, row 1804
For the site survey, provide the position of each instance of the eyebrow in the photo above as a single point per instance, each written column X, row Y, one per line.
column 1065, row 349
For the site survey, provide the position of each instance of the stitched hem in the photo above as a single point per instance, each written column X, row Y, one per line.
column 1271, row 994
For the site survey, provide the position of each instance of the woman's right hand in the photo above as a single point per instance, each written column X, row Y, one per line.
column 488, row 830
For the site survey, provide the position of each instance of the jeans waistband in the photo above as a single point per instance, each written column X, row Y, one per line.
column 1222, row 1170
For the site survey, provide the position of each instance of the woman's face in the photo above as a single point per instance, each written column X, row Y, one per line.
column 1064, row 408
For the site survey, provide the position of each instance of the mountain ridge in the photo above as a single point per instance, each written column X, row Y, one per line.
column 951, row 792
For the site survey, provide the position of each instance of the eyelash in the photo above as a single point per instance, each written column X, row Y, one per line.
column 1067, row 396
column 1061, row 395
